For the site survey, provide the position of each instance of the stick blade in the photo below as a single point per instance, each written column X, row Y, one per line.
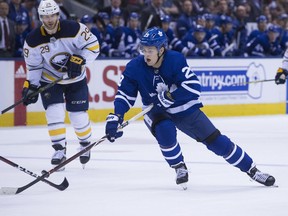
column 63, row 185
column 8, row 191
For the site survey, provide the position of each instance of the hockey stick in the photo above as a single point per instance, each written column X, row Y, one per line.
column 148, row 21
column 34, row 93
column 45, row 174
column 255, row 81
column 60, row 187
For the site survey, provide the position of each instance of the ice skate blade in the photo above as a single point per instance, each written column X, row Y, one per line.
column 183, row 186
column 83, row 166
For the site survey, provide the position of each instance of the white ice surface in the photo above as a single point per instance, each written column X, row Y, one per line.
column 131, row 178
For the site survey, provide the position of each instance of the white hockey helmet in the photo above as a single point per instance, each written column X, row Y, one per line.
column 48, row 7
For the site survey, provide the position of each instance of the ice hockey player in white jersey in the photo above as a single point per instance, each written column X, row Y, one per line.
column 282, row 72
column 60, row 48
column 162, row 77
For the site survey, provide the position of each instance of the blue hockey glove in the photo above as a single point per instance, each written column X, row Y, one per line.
column 281, row 76
column 112, row 123
column 163, row 100
column 75, row 66
column 27, row 90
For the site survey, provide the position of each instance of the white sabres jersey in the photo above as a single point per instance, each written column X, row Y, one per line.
column 285, row 60
column 46, row 55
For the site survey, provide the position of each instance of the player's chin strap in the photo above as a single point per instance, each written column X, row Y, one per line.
column 159, row 56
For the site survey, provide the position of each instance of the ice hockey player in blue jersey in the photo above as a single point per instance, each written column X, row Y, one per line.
column 162, row 77
column 60, row 48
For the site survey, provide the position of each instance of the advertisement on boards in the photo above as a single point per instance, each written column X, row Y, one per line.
column 237, row 85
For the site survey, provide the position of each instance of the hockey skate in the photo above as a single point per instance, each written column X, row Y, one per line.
column 181, row 174
column 59, row 155
column 85, row 157
column 260, row 177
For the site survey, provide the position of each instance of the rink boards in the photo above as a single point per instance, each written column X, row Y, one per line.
column 230, row 87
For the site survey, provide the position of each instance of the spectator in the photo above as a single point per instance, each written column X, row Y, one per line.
column 275, row 10
column 283, row 34
column 151, row 15
column 105, row 17
column 21, row 33
column 255, row 11
column 102, row 33
column 210, row 28
column 225, row 36
column 7, row 31
column 129, row 37
column 266, row 12
column 210, row 6
column 174, row 42
column 197, row 43
column 135, row 5
column 101, row 4
column 200, row 20
column 222, row 8
column 266, row 44
column 185, row 22
column 16, row 9
column 198, row 6
column 116, row 7
column 241, row 34
column 171, row 9
column 261, row 28
column 64, row 13
column 31, row 7
column 113, row 35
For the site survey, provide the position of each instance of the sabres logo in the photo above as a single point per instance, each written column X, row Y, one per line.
column 60, row 61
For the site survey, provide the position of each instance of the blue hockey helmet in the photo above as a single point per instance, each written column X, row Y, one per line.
column 104, row 15
column 134, row 16
column 165, row 19
column 154, row 37
column 274, row 28
column 86, row 19
column 209, row 16
column 21, row 20
column 199, row 28
column 262, row 18
column 225, row 20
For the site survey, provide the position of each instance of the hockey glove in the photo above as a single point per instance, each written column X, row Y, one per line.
column 27, row 90
column 281, row 76
column 163, row 100
column 75, row 66
column 112, row 123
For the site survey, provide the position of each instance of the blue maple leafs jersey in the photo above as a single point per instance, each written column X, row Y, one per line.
column 174, row 75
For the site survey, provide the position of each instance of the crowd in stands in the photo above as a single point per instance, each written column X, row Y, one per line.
column 196, row 28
